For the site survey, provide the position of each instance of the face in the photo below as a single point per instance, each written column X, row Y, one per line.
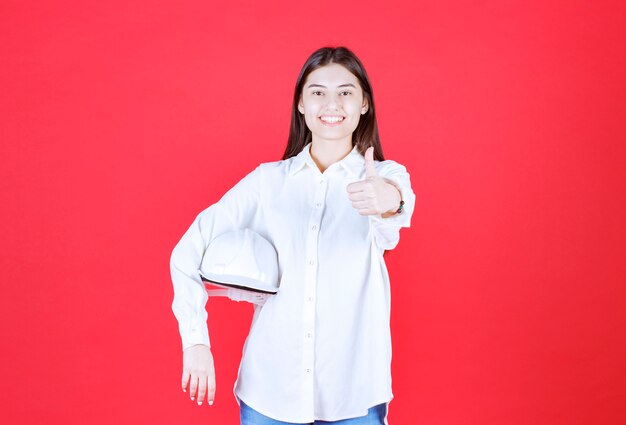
column 332, row 103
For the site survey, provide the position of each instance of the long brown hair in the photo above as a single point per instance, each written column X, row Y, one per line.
column 366, row 133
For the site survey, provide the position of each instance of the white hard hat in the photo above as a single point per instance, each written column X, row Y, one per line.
column 243, row 263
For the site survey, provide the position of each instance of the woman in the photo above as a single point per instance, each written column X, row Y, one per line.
column 319, row 351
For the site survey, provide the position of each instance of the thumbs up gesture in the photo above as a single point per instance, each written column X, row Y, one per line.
column 374, row 195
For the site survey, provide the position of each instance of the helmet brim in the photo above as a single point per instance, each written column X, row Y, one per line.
column 238, row 282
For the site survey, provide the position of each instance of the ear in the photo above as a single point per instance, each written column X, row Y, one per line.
column 301, row 105
column 365, row 106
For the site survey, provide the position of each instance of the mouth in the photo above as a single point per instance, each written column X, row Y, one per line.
column 331, row 120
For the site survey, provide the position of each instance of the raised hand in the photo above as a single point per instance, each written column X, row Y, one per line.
column 374, row 195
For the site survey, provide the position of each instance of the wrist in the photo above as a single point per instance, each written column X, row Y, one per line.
column 397, row 204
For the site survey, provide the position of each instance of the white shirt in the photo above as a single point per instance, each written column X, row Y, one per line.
column 320, row 349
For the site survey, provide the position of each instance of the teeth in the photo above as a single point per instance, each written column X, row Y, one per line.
column 331, row 119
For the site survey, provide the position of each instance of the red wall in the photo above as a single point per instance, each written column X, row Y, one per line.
column 120, row 121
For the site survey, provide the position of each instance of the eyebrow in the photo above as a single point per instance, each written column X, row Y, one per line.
column 319, row 85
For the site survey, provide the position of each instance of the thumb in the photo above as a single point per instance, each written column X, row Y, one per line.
column 370, row 169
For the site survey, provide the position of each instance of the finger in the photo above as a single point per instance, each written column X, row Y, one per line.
column 193, row 386
column 211, row 389
column 367, row 211
column 359, row 205
column 356, row 186
column 201, row 389
column 185, row 381
column 370, row 169
column 366, row 203
column 357, row 196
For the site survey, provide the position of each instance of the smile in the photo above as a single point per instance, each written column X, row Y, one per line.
column 331, row 120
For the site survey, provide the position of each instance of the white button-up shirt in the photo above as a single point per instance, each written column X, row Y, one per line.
column 320, row 349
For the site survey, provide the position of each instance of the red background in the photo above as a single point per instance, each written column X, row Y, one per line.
column 120, row 121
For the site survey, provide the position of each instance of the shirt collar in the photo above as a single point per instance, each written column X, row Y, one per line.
column 353, row 163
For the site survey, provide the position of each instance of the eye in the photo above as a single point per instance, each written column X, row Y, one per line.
column 345, row 93
column 316, row 93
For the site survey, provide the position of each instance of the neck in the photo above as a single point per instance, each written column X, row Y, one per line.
column 326, row 152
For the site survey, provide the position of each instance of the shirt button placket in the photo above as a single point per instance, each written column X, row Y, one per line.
column 311, row 284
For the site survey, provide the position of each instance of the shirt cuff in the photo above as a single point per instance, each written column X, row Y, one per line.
column 197, row 334
column 400, row 220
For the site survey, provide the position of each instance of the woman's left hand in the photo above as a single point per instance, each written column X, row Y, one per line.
column 374, row 195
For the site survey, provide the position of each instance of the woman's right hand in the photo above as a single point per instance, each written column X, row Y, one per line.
column 199, row 373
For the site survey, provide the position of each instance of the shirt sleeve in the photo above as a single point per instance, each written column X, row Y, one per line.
column 386, row 231
column 235, row 210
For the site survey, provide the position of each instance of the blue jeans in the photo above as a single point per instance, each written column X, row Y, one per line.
column 376, row 415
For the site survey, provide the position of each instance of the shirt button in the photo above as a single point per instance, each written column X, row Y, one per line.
column 318, row 205
column 314, row 227
column 311, row 262
column 309, row 335
column 308, row 371
column 310, row 299
column 322, row 181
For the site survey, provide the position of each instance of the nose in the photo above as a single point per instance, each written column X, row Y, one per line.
column 333, row 101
